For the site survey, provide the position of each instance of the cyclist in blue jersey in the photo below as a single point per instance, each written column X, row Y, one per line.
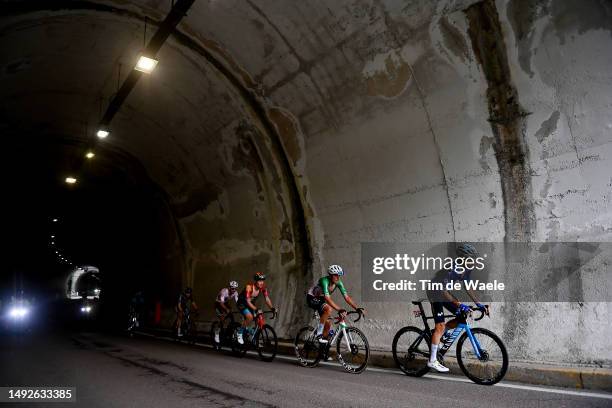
column 443, row 299
column 319, row 299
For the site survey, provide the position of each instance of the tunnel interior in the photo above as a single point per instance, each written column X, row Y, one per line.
column 278, row 137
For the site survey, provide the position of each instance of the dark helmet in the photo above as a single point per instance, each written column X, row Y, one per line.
column 259, row 276
column 466, row 251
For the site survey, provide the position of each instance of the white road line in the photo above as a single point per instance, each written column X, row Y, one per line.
column 586, row 394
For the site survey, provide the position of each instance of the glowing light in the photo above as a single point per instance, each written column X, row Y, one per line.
column 90, row 155
column 102, row 133
column 71, row 180
column 146, row 64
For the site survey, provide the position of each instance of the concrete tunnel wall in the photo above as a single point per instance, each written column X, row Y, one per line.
column 306, row 129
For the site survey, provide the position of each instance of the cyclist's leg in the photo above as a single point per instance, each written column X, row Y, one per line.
column 317, row 304
column 325, row 312
column 248, row 318
column 437, row 310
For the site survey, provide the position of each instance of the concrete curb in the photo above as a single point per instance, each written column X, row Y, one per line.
column 587, row 378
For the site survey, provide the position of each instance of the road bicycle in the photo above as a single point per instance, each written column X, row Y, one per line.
column 133, row 321
column 260, row 337
column 481, row 354
column 352, row 348
column 225, row 327
column 188, row 328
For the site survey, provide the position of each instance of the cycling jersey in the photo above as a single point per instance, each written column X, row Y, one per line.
column 185, row 302
column 250, row 292
column 321, row 287
column 225, row 295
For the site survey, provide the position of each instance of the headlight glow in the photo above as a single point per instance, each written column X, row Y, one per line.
column 18, row 312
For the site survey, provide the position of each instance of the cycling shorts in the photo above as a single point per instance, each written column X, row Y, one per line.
column 437, row 308
column 316, row 303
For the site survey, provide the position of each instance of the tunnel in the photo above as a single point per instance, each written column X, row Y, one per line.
column 282, row 136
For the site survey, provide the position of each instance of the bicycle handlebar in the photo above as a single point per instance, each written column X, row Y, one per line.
column 483, row 313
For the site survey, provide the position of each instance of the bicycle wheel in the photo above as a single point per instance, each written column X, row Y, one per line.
column 354, row 353
column 192, row 332
column 492, row 365
column 237, row 348
column 267, row 343
column 307, row 347
column 411, row 348
column 216, row 326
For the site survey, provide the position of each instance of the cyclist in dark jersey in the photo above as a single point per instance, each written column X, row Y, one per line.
column 319, row 299
column 444, row 299
column 185, row 305
column 247, row 298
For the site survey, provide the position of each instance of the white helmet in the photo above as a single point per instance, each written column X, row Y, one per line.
column 335, row 270
column 233, row 284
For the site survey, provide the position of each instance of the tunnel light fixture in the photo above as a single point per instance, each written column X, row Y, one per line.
column 102, row 133
column 90, row 155
column 52, row 236
column 146, row 64
column 55, row 220
column 71, row 180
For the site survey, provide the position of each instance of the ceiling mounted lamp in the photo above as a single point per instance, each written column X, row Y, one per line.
column 71, row 180
column 146, row 64
column 90, row 155
column 55, row 220
column 102, row 133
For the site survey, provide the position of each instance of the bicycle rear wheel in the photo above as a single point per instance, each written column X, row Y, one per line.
column 354, row 355
column 267, row 343
column 492, row 365
column 411, row 350
column 307, row 347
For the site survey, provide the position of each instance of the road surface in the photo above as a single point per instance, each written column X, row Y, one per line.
column 115, row 371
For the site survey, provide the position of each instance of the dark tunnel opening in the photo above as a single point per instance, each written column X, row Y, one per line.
column 112, row 218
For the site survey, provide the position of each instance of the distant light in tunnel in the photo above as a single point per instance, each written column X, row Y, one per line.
column 90, row 155
column 55, row 220
column 52, row 236
column 146, row 64
column 102, row 133
column 71, row 180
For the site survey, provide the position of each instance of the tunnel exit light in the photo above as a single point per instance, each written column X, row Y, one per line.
column 71, row 180
column 146, row 64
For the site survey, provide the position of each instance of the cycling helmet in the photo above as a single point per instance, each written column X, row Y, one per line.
column 467, row 251
column 335, row 270
column 233, row 284
column 259, row 276
column 188, row 290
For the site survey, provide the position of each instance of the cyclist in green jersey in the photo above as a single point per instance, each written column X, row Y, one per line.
column 319, row 299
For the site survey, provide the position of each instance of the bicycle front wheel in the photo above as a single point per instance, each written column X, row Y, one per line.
column 354, row 353
column 306, row 347
column 267, row 343
column 492, row 364
column 411, row 351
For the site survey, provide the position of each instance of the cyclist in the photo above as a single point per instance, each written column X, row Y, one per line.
column 185, row 305
column 247, row 298
column 222, row 305
column 441, row 300
column 137, row 306
column 319, row 299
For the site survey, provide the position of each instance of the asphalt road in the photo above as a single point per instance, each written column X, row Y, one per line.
column 115, row 371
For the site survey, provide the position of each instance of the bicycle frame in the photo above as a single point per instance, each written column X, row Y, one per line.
column 456, row 333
